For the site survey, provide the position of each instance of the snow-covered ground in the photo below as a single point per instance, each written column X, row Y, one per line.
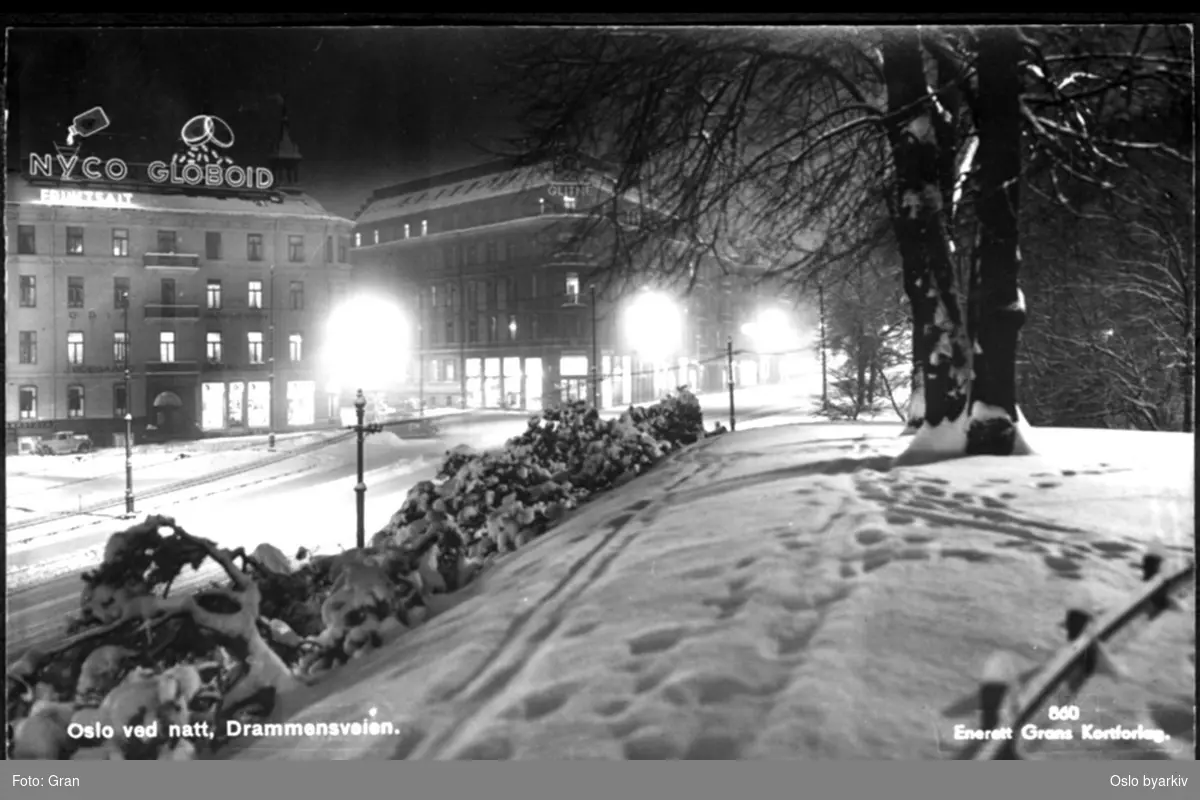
column 783, row 593
column 102, row 461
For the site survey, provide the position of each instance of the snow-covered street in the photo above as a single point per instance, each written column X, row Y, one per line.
column 782, row 593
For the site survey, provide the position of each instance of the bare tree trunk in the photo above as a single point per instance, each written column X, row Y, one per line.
column 872, row 379
column 941, row 360
column 860, row 368
column 996, row 305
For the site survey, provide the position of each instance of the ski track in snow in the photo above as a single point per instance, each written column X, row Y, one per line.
column 772, row 595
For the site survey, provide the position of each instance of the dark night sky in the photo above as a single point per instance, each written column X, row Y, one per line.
column 368, row 106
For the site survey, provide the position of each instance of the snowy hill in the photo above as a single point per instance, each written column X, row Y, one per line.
column 784, row 593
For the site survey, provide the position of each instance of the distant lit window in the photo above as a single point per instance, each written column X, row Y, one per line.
column 424, row 227
column 75, row 347
column 406, row 233
column 212, row 345
column 296, row 347
column 376, row 236
column 213, row 293
column 254, row 340
column 569, row 203
column 120, row 242
column 573, row 287
column 254, row 294
column 296, row 248
column 120, row 347
column 74, row 401
column 166, row 346
column 512, row 327
column 74, row 241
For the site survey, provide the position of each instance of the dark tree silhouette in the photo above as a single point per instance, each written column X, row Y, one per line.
column 798, row 151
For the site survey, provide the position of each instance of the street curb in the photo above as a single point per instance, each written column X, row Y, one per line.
column 183, row 485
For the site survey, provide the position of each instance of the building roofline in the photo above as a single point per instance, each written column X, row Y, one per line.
column 274, row 201
column 467, row 173
column 443, row 179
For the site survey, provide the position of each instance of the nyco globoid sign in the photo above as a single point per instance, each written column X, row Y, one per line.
column 202, row 163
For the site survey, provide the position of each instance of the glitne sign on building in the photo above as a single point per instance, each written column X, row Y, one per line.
column 202, row 163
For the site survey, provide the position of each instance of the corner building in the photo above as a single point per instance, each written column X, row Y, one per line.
column 215, row 301
column 503, row 317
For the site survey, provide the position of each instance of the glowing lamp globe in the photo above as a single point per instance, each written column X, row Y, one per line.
column 367, row 343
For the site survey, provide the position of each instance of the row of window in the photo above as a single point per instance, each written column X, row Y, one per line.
column 168, row 242
column 492, row 328
column 167, row 292
column 498, row 293
column 214, row 347
column 27, row 403
column 488, row 214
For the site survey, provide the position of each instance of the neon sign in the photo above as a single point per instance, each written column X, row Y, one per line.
column 67, row 197
column 203, row 162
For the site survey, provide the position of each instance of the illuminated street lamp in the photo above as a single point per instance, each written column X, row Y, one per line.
column 360, row 488
column 655, row 326
column 367, row 343
column 364, row 336
column 772, row 334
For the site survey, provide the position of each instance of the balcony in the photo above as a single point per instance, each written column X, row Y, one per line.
column 172, row 368
column 234, row 310
column 94, row 369
column 185, row 261
column 569, row 258
column 172, row 311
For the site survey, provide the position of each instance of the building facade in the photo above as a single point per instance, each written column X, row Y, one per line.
column 506, row 315
column 214, row 303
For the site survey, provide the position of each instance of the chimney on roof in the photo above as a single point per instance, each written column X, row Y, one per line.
column 285, row 162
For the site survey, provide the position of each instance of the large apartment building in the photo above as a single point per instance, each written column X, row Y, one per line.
column 484, row 263
column 213, row 299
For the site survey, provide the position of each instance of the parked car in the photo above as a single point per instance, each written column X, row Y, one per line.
column 416, row 429
column 64, row 443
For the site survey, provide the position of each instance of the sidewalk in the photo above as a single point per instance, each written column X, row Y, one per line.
column 783, row 594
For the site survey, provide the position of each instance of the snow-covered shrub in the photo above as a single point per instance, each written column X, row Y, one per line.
column 492, row 502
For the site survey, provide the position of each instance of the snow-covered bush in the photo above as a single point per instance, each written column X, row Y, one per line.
column 137, row 654
column 492, row 502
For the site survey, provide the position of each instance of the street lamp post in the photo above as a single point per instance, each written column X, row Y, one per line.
column 128, row 416
column 729, row 367
column 824, row 371
column 360, row 488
